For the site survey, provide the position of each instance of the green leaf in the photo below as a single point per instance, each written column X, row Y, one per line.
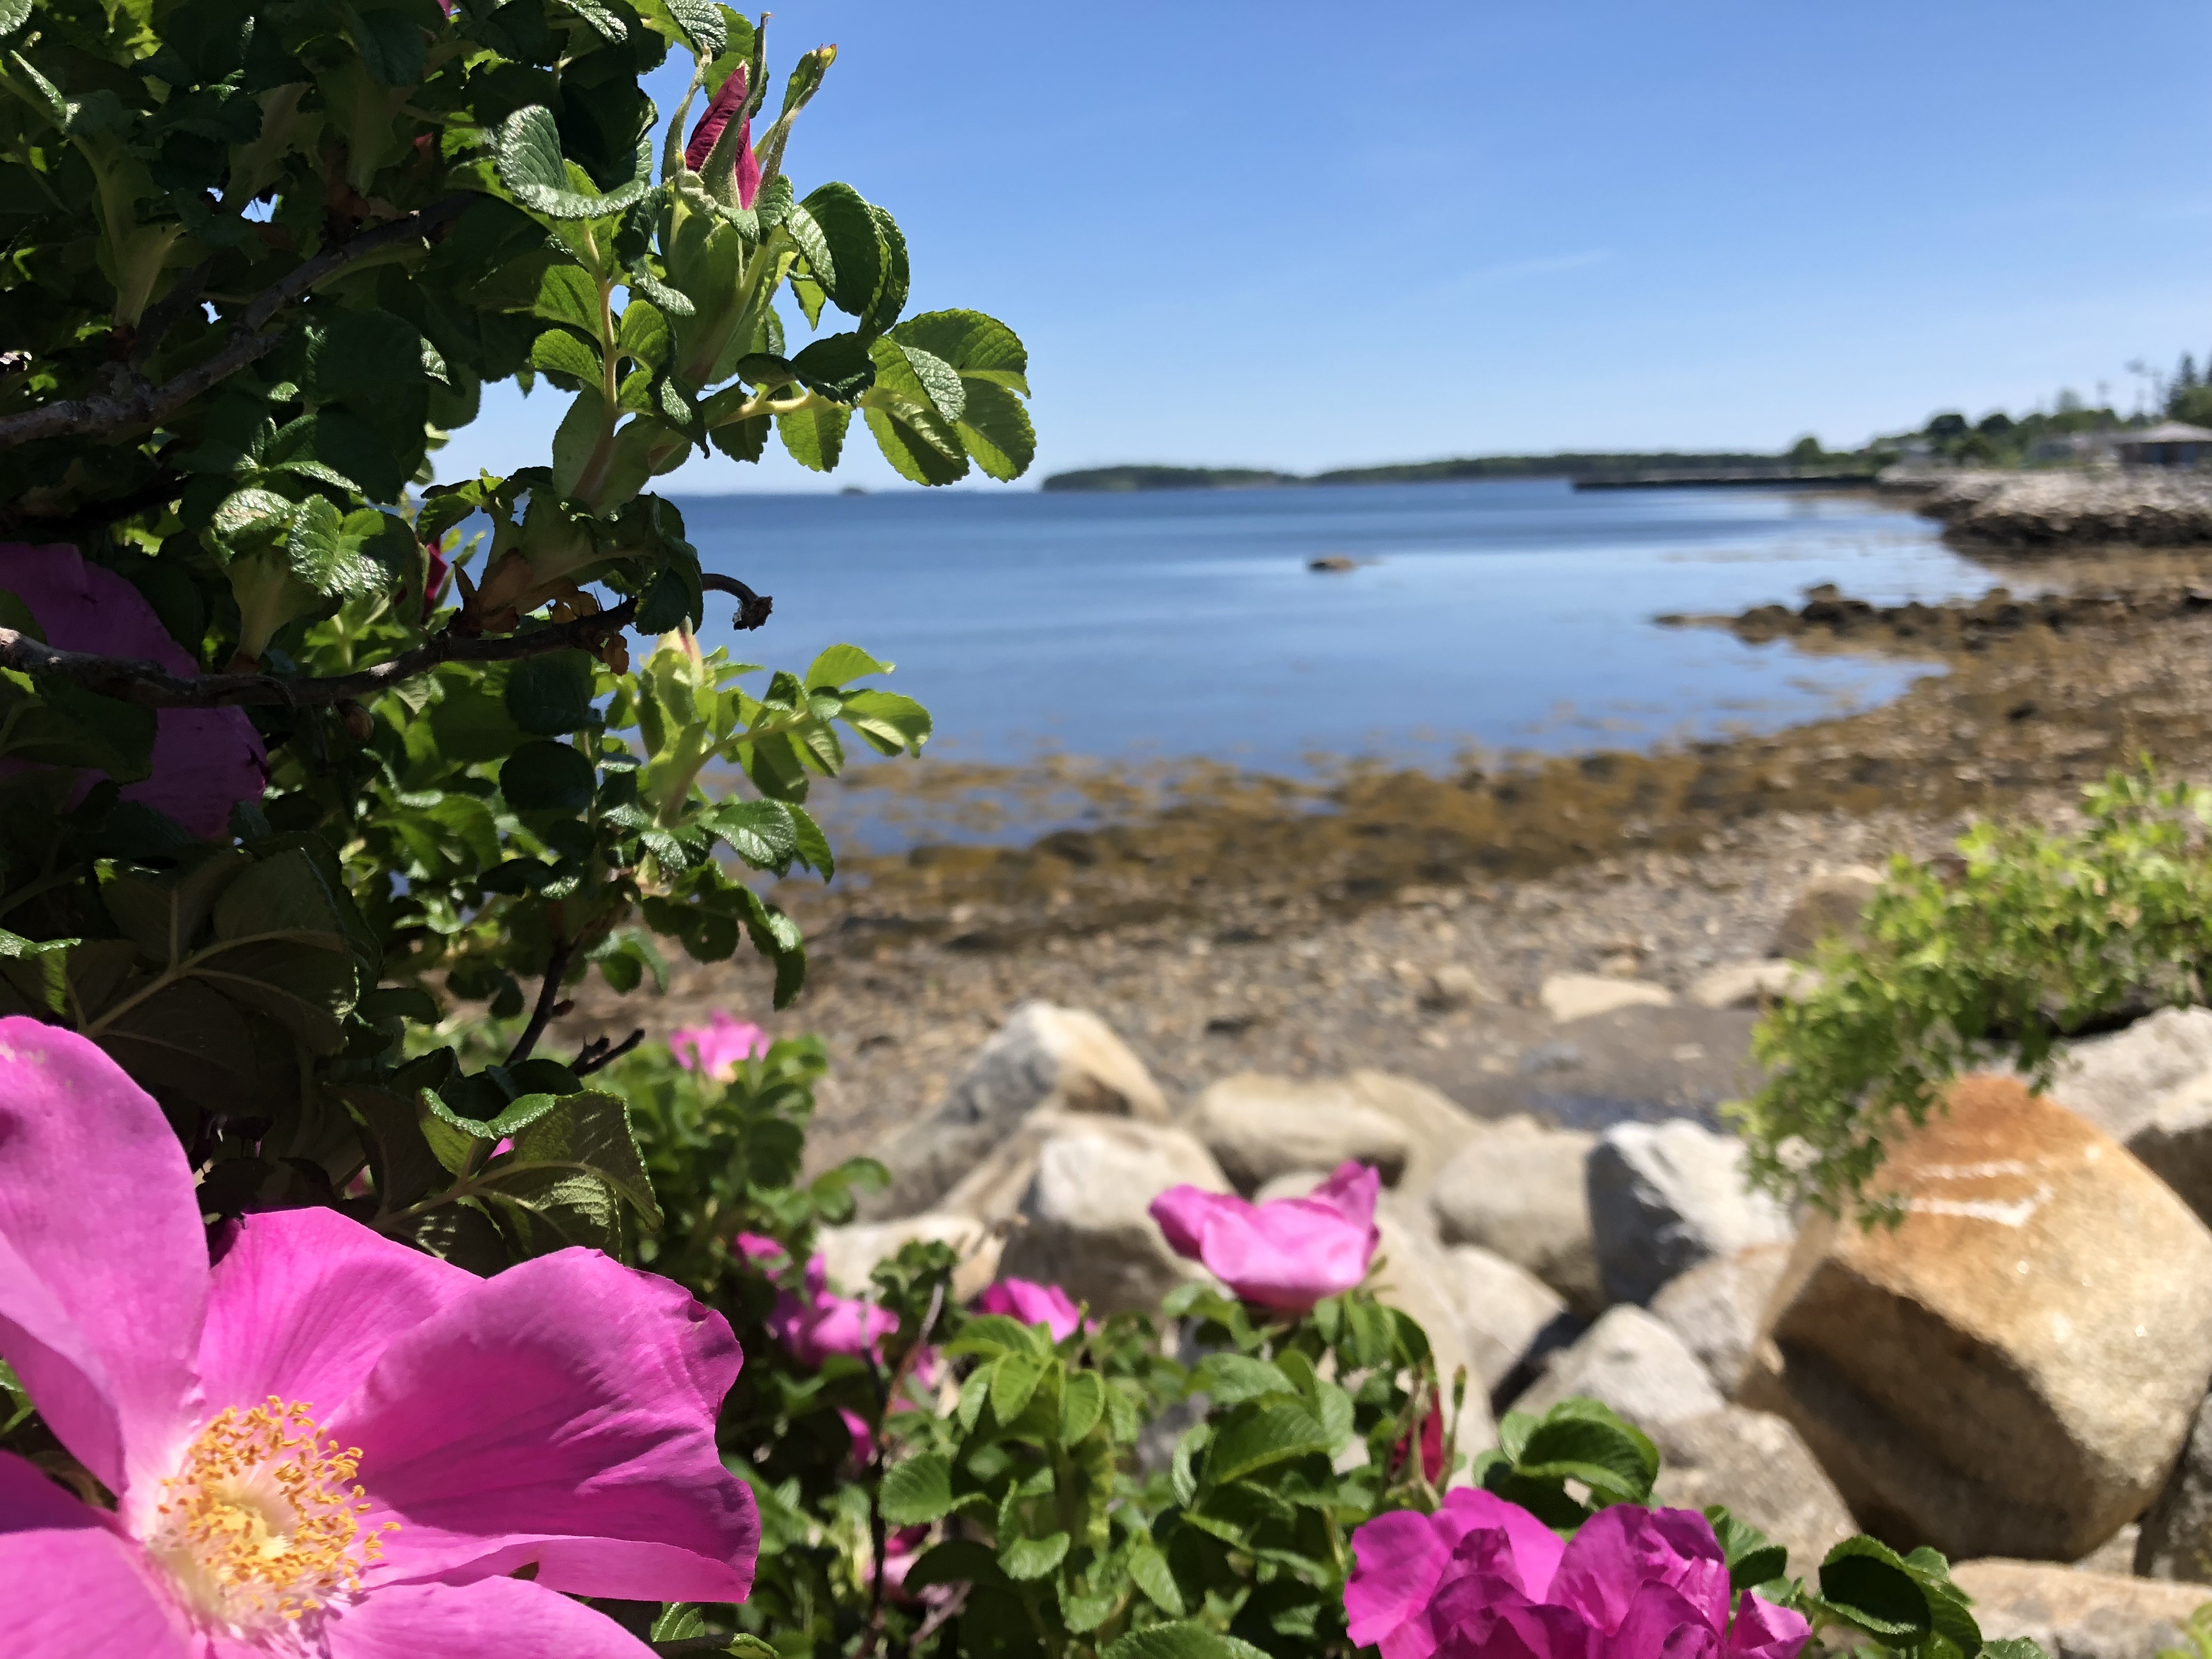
column 1865, row 1580
column 889, row 722
column 917, row 1490
column 810, row 846
column 956, row 1561
column 979, row 348
column 566, row 1165
column 1148, row 1568
column 1178, row 1640
column 1082, row 1403
column 920, row 447
column 1579, row 1439
column 1014, row 1378
column 1027, row 1558
column 559, row 352
column 567, row 294
column 527, row 152
column 325, row 559
column 244, row 510
column 14, row 13
column 839, row 665
column 549, row 697
column 921, row 378
column 1229, row 1379
column 644, row 334
column 815, row 438
column 997, row 431
column 1246, row 1444
column 836, row 230
column 839, row 366
column 545, row 776
column 2018, row 1647
column 36, row 971
column 891, row 294
column 761, row 832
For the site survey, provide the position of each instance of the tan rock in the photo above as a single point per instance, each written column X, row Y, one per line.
column 1520, row 1189
column 1083, row 1221
column 1834, row 904
column 850, row 1253
column 1757, row 1465
column 1752, row 984
column 1044, row 1057
column 1578, row 996
column 1436, row 1126
column 1258, row 1127
column 1415, row 1276
column 2073, row 1614
column 2012, row 1369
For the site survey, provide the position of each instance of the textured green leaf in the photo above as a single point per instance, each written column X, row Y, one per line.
column 1866, row 1580
column 643, row 334
column 1082, row 1402
column 1170, row 1641
column 850, row 242
column 1601, row 1452
column 1026, row 1559
column 567, row 294
column 1272, row 1435
column 979, row 348
column 809, row 845
column 1228, row 1379
column 919, row 446
column 527, row 152
column 917, row 1490
column 997, row 432
column 244, row 510
column 815, row 438
column 889, row 722
column 837, row 366
column 1013, row 1380
column 560, row 352
column 1149, row 1569
column 550, row 696
column 761, row 832
column 839, row 665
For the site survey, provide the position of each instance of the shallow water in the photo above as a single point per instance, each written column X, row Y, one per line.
column 1169, row 627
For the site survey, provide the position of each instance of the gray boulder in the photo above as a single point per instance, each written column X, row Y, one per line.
column 1629, row 1361
column 2117, row 1081
column 1520, row 1190
column 1511, row 1318
column 1716, row 1308
column 1664, row 1197
column 2177, row 1143
column 2176, row 1540
column 1755, row 1463
column 2074, row 1615
column 1083, row 1221
column 1043, row 1057
column 1259, row 1128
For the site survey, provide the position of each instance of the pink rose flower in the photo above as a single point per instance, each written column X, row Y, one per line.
column 862, row 1451
column 815, row 1325
column 716, row 1048
column 1482, row 1577
column 326, row 1443
column 763, row 1252
column 727, row 103
column 1033, row 1304
column 205, row 760
column 902, row 1549
column 1286, row 1253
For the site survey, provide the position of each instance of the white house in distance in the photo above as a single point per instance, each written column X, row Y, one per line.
column 2171, row 443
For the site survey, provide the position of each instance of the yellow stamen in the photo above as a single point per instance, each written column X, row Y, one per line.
column 260, row 1521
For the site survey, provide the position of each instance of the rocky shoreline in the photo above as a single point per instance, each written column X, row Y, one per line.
column 2141, row 507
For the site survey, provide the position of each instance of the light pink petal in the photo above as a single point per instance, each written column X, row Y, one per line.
column 103, row 1263
column 1033, row 1304
column 1398, row 1559
column 204, row 760
column 562, row 1412
column 304, row 1301
column 1533, row 1549
column 1763, row 1631
column 759, row 1247
column 1181, row 1213
column 495, row 1619
column 863, row 1439
column 1491, row 1620
column 1353, row 1190
column 70, row 1587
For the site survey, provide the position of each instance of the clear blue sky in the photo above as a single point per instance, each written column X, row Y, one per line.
column 1299, row 235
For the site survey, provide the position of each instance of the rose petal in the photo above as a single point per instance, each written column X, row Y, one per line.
column 304, row 1301
column 496, row 1619
column 70, row 1587
column 1398, row 1559
column 728, row 99
column 1620, row 1549
column 1033, row 1304
column 562, row 1412
column 1533, row 1550
column 1763, row 1631
column 1661, row 1624
column 103, row 1264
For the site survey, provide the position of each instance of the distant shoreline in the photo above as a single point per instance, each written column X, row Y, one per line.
column 1130, row 479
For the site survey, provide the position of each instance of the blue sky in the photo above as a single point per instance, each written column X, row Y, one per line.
column 1297, row 235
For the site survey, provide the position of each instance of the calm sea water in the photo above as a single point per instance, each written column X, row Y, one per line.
column 1159, row 627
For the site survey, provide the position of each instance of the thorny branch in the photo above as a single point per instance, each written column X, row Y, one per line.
column 549, row 999
column 130, row 680
column 602, row 1052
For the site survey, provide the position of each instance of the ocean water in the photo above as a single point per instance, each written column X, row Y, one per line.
column 1159, row 627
